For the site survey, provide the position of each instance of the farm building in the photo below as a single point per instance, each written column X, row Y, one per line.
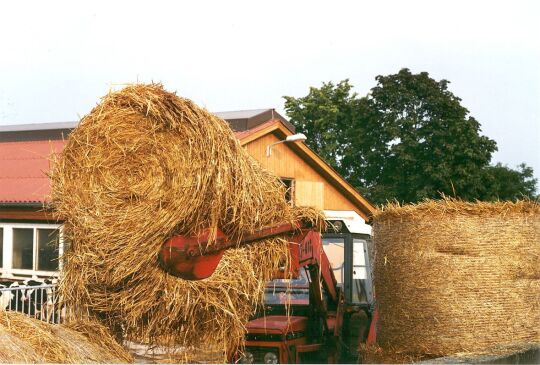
column 31, row 238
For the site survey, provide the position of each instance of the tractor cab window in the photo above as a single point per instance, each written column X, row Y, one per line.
column 335, row 250
column 360, row 272
column 288, row 291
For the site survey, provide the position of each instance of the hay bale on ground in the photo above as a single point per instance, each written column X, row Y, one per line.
column 181, row 355
column 13, row 350
column 28, row 340
column 144, row 165
column 453, row 277
column 374, row 354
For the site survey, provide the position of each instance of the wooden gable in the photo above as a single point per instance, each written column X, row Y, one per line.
column 316, row 183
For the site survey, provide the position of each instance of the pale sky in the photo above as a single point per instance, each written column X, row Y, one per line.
column 59, row 57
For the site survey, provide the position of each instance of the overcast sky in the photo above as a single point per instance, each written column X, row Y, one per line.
column 59, row 57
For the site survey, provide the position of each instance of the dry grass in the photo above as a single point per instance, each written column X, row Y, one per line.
column 181, row 355
column 14, row 350
column 374, row 354
column 457, row 277
column 27, row 340
column 144, row 165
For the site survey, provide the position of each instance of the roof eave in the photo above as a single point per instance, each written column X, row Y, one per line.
column 36, row 204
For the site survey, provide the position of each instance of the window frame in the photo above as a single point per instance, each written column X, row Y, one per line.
column 7, row 270
column 348, row 265
column 291, row 190
column 364, row 241
column 32, row 230
column 341, row 269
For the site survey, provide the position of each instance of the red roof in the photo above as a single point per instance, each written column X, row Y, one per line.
column 23, row 169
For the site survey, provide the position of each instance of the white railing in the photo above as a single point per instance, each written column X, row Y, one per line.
column 40, row 302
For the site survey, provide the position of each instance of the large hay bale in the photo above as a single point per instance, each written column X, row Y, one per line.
column 144, row 165
column 27, row 340
column 13, row 350
column 452, row 276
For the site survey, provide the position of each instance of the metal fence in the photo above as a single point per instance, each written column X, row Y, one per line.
column 40, row 302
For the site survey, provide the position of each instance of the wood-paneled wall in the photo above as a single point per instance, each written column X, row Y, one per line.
column 309, row 183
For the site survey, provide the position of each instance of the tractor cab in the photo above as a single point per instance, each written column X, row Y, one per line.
column 299, row 323
column 349, row 256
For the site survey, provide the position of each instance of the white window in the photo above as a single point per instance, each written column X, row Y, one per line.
column 28, row 249
column 360, row 272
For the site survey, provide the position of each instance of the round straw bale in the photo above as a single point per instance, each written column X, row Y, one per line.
column 13, row 350
column 142, row 166
column 28, row 340
column 452, row 276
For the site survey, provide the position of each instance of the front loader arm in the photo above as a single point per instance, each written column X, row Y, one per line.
column 196, row 257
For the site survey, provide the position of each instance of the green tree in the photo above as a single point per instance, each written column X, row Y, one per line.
column 326, row 114
column 503, row 183
column 408, row 139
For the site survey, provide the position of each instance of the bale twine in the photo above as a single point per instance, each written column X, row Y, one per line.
column 452, row 276
column 142, row 166
column 27, row 340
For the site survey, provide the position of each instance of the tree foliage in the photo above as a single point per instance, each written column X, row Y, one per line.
column 503, row 183
column 326, row 114
column 408, row 139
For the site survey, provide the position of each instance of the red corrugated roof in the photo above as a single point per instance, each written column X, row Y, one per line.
column 23, row 169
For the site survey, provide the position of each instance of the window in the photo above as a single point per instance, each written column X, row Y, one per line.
column 288, row 291
column 335, row 250
column 289, row 189
column 29, row 247
column 360, row 272
column 23, row 248
column 47, row 249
